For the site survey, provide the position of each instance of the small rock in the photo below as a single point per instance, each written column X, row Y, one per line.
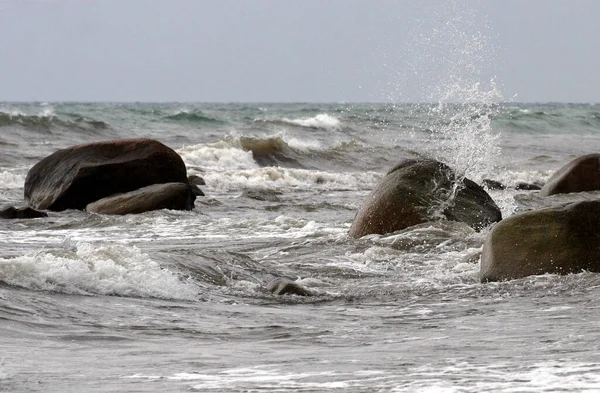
column 196, row 180
column 493, row 184
column 527, row 186
column 285, row 286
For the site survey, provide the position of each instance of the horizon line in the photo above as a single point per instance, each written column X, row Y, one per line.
column 295, row 102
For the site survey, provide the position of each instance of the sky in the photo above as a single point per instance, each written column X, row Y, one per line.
column 299, row 50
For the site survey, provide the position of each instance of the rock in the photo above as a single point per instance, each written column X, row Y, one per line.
column 493, row 184
column 196, row 190
column 23, row 212
column 581, row 174
column 284, row 286
column 72, row 178
column 416, row 191
column 174, row 196
column 523, row 186
column 262, row 195
column 557, row 240
column 196, row 180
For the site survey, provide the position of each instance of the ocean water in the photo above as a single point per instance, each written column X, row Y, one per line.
column 177, row 301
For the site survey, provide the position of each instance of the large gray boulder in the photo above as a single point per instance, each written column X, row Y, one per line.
column 557, row 240
column 416, row 191
column 581, row 174
column 173, row 196
column 72, row 178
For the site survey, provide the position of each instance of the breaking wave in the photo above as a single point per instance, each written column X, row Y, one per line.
column 271, row 151
column 321, row 121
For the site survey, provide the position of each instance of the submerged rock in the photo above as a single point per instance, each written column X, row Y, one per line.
column 493, row 184
column 196, row 180
column 262, row 195
column 22, row 212
column 174, row 196
column 72, row 178
column 524, row 186
column 416, row 191
column 581, row 174
column 284, row 286
column 558, row 240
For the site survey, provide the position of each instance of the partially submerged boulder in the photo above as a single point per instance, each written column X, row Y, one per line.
column 196, row 181
column 285, row 286
column 174, row 196
column 558, row 240
column 493, row 184
column 12, row 212
column 524, row 186
column 416, row 191
column 581, row 174
column 262, row 195
column 72, row 178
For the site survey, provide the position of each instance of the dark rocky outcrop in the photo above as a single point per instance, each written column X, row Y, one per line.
column 560, row 240
column 284, row 286
column 581, row 174
column 22, row 212
column 416, row 191
column 174, row 196
column 72, row 178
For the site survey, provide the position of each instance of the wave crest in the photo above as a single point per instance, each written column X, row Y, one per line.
column 272, row 151
column 47, row 120
column 322, row 121
column 192, row 117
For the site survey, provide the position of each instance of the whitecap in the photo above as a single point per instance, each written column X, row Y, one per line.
column 282, row 178
column 322, row 120
column 221, row 155
column 95, row 269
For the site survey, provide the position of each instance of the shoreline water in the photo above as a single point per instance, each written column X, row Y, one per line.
column 176, row 301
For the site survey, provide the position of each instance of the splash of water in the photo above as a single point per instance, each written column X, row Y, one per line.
column 452, row 61
column 465, row 93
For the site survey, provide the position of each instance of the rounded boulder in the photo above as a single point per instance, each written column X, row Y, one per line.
column 556, row 240
column 581, row 174
column 420, row 190
column 173, row 196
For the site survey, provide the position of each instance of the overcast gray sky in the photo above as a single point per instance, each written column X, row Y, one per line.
column 297, row 50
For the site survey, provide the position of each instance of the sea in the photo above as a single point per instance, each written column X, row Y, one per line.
column 177, row 301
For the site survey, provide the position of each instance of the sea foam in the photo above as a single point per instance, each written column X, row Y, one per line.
column 282, row 178
column 11, row 180
column 218, row 155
